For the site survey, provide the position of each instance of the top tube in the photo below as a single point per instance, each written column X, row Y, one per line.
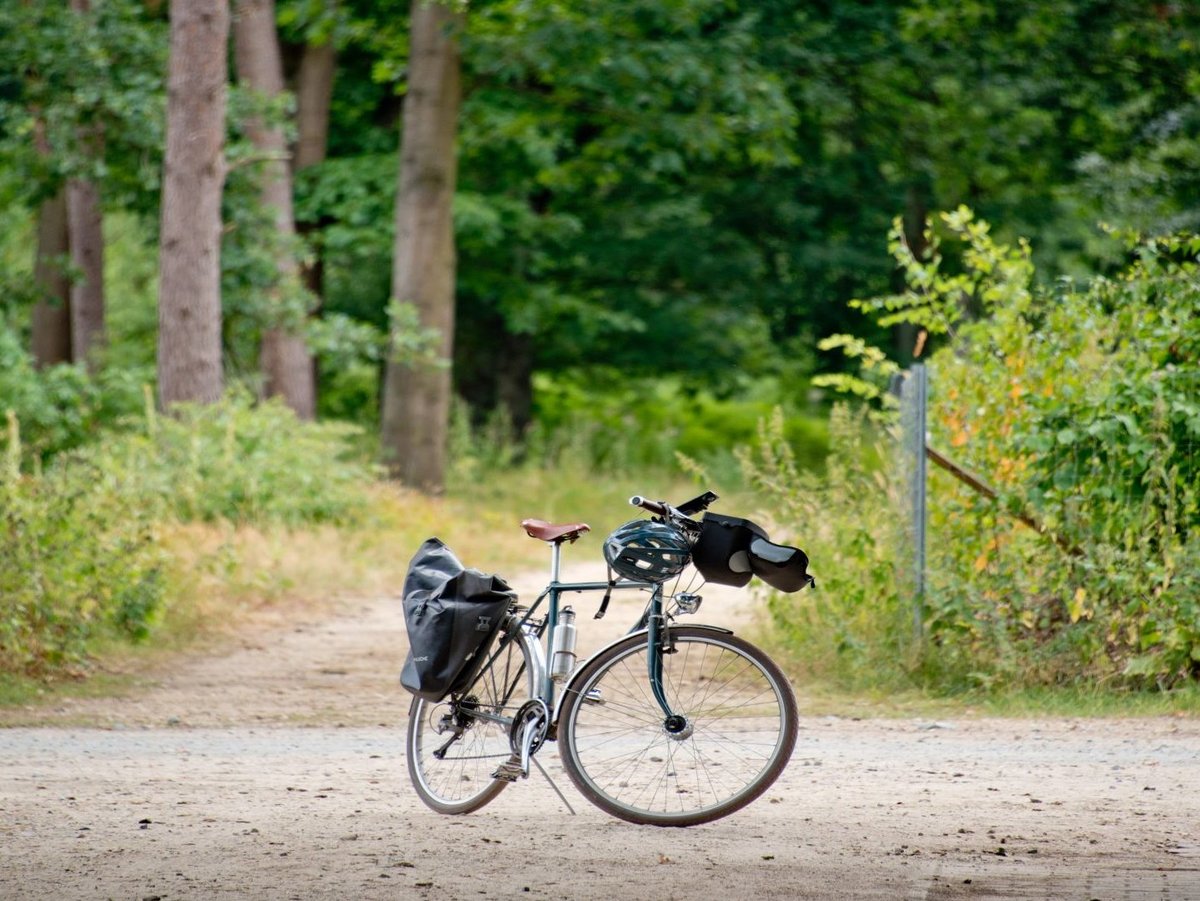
column 600, row 586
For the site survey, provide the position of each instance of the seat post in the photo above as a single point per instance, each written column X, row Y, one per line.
column 555, row 560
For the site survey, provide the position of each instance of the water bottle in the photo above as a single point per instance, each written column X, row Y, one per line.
column 562, row 655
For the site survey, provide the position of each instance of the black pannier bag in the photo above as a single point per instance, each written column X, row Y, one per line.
column 730, row 550
column 452, row 614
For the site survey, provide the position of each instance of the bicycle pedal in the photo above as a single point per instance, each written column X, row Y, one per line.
column 509, row 771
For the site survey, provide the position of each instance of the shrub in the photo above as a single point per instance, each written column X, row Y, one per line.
column 80, row 555
column 76, row 561
column 238, row 461
column 61, row 407
column 647, row 421
column 1080, row 404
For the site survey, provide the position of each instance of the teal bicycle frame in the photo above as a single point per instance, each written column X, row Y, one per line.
column 652, row 620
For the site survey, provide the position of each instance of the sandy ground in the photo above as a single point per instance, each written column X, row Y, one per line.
column 275, row 769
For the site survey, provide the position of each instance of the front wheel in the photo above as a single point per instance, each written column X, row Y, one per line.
column 737, row 731
column 454, row 745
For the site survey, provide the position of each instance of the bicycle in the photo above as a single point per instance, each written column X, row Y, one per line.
column 670, row 725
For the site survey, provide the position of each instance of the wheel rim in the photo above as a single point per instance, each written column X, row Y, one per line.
column 736, row 731
column 464, row 774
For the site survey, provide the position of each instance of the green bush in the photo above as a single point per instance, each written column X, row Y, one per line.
column 1080, row 404
column 647, row 422
column 62, row 407
column 77, row 561
column 236, row 461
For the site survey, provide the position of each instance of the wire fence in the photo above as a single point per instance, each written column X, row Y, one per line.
column 1114, row 490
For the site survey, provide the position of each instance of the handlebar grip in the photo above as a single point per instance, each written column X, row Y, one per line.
column 653, row 506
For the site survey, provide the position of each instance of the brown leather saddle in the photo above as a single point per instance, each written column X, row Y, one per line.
column 546, row 531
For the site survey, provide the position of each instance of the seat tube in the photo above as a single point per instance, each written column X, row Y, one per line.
column 547, row 686
column 654, row 651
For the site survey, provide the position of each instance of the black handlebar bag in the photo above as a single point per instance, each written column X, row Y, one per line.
column 722, row 552
column 452, row 614
column 730, row 550
column 782, row 567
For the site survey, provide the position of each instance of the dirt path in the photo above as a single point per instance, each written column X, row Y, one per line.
column 276, row 770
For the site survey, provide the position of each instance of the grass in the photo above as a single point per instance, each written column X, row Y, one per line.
column 824, row 699
column 227, row 579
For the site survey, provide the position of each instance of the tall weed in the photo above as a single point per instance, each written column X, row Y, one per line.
column 854, row 626
column 61, row 407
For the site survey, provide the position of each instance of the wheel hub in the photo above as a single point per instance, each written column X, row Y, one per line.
column 678, row 727
column 464, row 712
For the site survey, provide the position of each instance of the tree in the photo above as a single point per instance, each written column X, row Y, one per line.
column 86, row 228
column 416, row 406
column 615, row 155
column 189, row 300
column 714, row 179
column 314, row 92
column 85, row 225
column 50, row 333
column 84, row 79
column 286, row 364
column 50, row 341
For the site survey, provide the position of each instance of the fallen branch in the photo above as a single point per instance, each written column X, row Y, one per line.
column 973, row 481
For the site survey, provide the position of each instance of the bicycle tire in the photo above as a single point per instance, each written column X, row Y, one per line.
column 617, row 751
column 461, row 782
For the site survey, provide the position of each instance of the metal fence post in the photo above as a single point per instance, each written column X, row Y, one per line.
column 914, row 398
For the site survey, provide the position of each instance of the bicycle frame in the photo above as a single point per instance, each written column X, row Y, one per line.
column 652, row 620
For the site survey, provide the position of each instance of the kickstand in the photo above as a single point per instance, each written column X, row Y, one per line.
column 561, row 796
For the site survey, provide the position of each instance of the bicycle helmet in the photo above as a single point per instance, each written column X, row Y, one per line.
column 647, row 551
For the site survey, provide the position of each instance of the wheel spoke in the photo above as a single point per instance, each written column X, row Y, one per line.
column 461, row 781
column 741, row 726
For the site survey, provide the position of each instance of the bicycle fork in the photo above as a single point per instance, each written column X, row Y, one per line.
column 658, row 643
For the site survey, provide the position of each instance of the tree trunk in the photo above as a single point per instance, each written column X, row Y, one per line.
column 189, row 295
column 493, row 367
column 416, row 407
column 86, row 228
column 51, row 342
column 314, row 94
column 87, row 258
column 286, row 363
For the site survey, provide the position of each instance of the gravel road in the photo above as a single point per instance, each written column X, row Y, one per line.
column 275, row 770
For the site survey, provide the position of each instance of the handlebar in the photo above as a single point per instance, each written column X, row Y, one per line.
column 655, row 507
column 681, row 515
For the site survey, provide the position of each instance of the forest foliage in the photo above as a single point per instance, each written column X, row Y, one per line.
column 663, row 210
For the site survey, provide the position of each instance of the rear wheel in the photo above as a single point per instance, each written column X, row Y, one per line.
column 733, row 734
column 454, row 745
